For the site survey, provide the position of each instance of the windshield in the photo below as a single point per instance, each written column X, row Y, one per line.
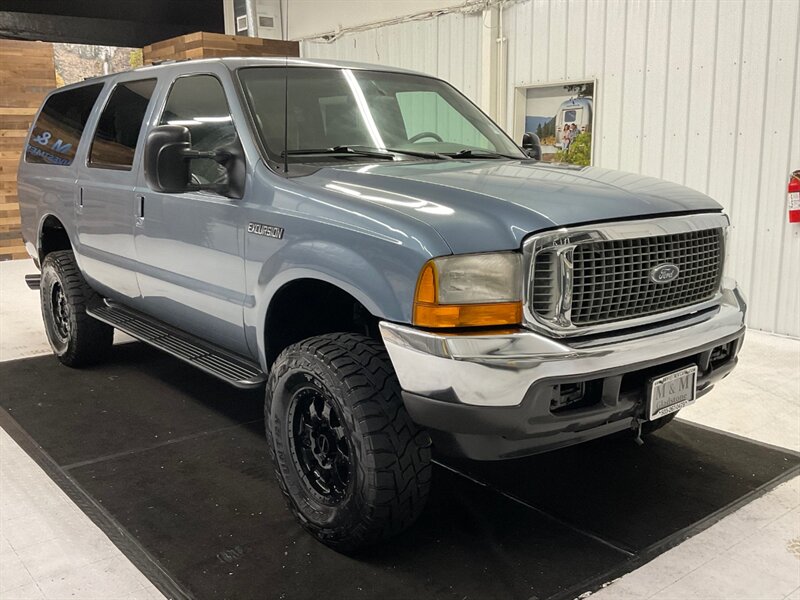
column 337, row 111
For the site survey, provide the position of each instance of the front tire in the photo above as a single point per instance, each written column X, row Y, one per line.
column 355, row 469
column 76, row 338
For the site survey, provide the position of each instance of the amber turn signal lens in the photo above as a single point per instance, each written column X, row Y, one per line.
column 467, row 315
column 427, row 285
column 429, row 313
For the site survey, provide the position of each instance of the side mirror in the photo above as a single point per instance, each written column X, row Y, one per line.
column 168, row 152
column 532, row 145
column 165, row 166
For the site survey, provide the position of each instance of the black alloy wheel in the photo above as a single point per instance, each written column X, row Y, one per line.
column 319, row 445
column 60, row 308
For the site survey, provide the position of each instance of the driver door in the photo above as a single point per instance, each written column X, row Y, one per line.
column 190, row 245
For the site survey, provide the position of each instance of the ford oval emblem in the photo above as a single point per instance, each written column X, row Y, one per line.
column 664, row 273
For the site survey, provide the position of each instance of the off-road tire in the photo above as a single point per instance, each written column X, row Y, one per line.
column 390, row 455
column 76, row 338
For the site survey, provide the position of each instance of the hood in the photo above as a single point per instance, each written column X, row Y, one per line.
column 486, row 205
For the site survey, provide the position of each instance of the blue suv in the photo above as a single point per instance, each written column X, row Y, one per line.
column 371, row 248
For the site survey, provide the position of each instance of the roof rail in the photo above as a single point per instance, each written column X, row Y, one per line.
column 165, row 61
column 155, row 63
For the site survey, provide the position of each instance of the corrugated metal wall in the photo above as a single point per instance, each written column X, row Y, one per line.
column 701, row 92
column 448, row 47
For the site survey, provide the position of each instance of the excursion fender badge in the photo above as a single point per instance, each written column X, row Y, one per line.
column 265, row 230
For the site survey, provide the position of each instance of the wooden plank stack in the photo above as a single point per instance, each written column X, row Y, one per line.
column 27, row 73
column 214, row 45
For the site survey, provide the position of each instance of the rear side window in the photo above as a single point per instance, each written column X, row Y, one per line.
column 58, row 129
column 117, row 132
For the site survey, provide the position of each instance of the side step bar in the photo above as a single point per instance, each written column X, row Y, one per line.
column 229, row 367
column 33, row 280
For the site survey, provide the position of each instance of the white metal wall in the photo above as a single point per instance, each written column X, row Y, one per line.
column 448, row 47
column 701, row 92
column 704, row 93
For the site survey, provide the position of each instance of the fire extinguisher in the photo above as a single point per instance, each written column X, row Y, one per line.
column 794, row 197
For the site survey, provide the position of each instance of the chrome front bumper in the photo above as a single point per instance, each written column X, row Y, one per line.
column 498, row 369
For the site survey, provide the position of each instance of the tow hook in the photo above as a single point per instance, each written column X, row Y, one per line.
column 636, row 425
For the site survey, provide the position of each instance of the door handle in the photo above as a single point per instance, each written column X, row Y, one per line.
column 139, row 210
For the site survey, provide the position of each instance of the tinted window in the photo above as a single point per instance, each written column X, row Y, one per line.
column 569, row 116
column 198, row 102
column 58, row 129
column 117, row 132
column 376, row 109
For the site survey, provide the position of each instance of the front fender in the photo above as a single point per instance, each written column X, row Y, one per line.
column 370, row 250
column 382, row 282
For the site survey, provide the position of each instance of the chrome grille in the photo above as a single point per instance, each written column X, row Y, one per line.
column 596, row 278
column 544, row 285
column 611, row 279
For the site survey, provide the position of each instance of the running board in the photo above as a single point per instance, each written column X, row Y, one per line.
column 236, row 370
column 33, row 281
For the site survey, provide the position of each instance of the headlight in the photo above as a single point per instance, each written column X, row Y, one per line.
column 470, row 290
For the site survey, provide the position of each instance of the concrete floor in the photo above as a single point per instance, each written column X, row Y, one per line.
column 49, row 549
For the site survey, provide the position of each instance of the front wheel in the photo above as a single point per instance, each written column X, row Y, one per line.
column 76, row 338
column 355, row 469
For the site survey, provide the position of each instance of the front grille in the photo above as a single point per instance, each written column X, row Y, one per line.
column 544, row 285
column 611, row 278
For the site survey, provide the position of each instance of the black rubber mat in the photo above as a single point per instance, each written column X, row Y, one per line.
column 173, row 465
column 637, row 497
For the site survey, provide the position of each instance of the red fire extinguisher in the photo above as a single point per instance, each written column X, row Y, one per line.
column 794, row 197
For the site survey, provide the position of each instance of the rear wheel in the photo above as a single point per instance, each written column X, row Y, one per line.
column 76, row 338
column 354, row 467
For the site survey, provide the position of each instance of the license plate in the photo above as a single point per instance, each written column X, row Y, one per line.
column 672, row 392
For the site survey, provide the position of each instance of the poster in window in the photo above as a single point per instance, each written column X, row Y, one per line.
column 562, row 116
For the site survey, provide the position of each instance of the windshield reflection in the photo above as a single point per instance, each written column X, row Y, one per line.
column 336, row 113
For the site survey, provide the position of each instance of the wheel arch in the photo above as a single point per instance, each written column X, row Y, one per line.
column 380, row 283
column 52, row 236
column 310, row 304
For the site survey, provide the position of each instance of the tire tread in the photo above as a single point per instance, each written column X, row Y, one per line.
column 91, row 339
column 400, row 450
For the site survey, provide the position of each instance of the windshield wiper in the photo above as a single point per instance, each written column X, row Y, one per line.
column 469, row 153
column 420, row 154
column 341, row 150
